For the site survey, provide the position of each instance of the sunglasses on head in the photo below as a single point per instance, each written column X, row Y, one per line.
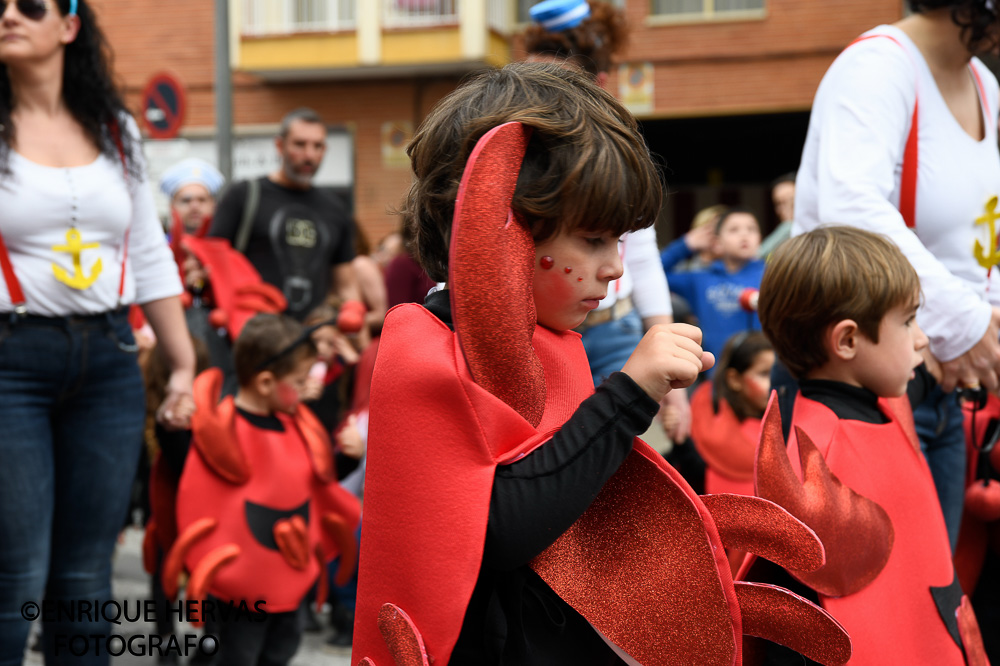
column 34, row 10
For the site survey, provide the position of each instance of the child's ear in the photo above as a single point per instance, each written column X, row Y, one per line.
column 733, row 380
column 264, row 383
column 842, row 339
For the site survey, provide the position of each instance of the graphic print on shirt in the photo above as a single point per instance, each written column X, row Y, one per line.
column 79, row 279
column 725, row 297
column 301, row 246
column 989, row 217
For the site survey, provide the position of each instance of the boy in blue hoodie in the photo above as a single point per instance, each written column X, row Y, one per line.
column 714, row 293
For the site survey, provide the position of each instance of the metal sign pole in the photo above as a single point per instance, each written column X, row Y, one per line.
column 223, row 91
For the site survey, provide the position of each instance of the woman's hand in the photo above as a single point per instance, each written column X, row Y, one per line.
column 980, row 366
column 177, row 408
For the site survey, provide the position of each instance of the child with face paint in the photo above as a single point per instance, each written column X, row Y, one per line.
column 726, row 413
column 495, row 472
column 261, row 471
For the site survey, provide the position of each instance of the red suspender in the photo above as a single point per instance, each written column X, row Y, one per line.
column 911, row 156
column 14, row 285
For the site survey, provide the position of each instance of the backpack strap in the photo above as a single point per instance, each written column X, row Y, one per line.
column 249, row 213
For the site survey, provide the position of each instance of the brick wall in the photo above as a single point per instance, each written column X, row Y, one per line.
column 708, row 68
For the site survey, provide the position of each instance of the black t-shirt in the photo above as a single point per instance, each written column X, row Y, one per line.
column 297, row 236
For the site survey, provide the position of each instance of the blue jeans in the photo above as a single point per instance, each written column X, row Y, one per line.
column 72, row 410
column 610, row 344
column 942, row 439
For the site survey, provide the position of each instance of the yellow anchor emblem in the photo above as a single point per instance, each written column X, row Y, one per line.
column 78, row 280
column 990, row 217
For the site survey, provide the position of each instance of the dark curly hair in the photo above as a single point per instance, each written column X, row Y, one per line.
column 590, row 44
column 586, row 167
column 88, row 91
column 974, row 17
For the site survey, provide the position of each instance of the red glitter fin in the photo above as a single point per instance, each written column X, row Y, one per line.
column 785, row 618
column 347, row 546
column 491, row 273
column 174, row 561
column 201, row 577
column 404, row 641
column 761, row 527
column 972, row 639
column 856, row 532
column 213, row 426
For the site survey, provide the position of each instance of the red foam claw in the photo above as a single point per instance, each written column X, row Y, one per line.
column 982, row 500
column 351, row 316
column 293, row 541
column 173, row 564
column 214, row 428
column 260, row 297
column 785, row 618
column 204, row 572
column 856, row 532
column 491, row 271
column 404, row 640
column 323, row 584
column 347, row 546
column 761, row 527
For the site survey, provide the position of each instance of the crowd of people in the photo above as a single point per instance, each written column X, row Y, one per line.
column 478, row 382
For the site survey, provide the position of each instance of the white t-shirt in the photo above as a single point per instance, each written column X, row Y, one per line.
column 642, row 278
column 39, row 206
column 851, row 171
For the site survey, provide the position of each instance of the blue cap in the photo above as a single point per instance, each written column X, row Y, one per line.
column 188, row 172
column 559, row 15
column 72, row 7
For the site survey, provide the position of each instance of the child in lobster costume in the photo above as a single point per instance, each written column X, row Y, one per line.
column 259, row 509
column 839, row 305
column 511, row 516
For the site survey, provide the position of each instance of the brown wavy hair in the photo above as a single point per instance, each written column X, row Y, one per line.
column 586, row 166
column 590, row 44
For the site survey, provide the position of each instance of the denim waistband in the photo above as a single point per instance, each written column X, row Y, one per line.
column 99, row 319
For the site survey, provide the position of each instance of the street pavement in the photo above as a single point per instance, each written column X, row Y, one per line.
column 131, row 583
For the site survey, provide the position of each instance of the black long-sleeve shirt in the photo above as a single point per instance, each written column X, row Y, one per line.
column 513, row 617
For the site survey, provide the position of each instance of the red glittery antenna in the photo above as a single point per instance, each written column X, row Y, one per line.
column 856, row 532
column 491, row 269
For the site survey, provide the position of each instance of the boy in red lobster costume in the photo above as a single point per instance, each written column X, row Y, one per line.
column 839, row 305
column 259, row 510
column 511, row 515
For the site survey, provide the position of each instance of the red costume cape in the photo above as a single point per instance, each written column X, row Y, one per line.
column 893, row 618
column 270, row 495
column 645, row 564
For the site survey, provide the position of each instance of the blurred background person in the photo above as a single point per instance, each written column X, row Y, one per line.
column 783, row 198
column 191, row 185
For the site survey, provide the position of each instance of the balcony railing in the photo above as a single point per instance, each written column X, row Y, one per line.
column 282, row 17
column 419, row 13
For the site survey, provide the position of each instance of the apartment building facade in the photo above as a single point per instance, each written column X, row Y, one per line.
column 722, row 87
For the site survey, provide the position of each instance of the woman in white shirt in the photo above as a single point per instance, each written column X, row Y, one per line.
column 903, row 141
column 80, row 243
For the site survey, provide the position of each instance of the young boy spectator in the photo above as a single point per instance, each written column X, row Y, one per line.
column 839, row 305
column 511, row 516
column 262, row 473
column 714, row 292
